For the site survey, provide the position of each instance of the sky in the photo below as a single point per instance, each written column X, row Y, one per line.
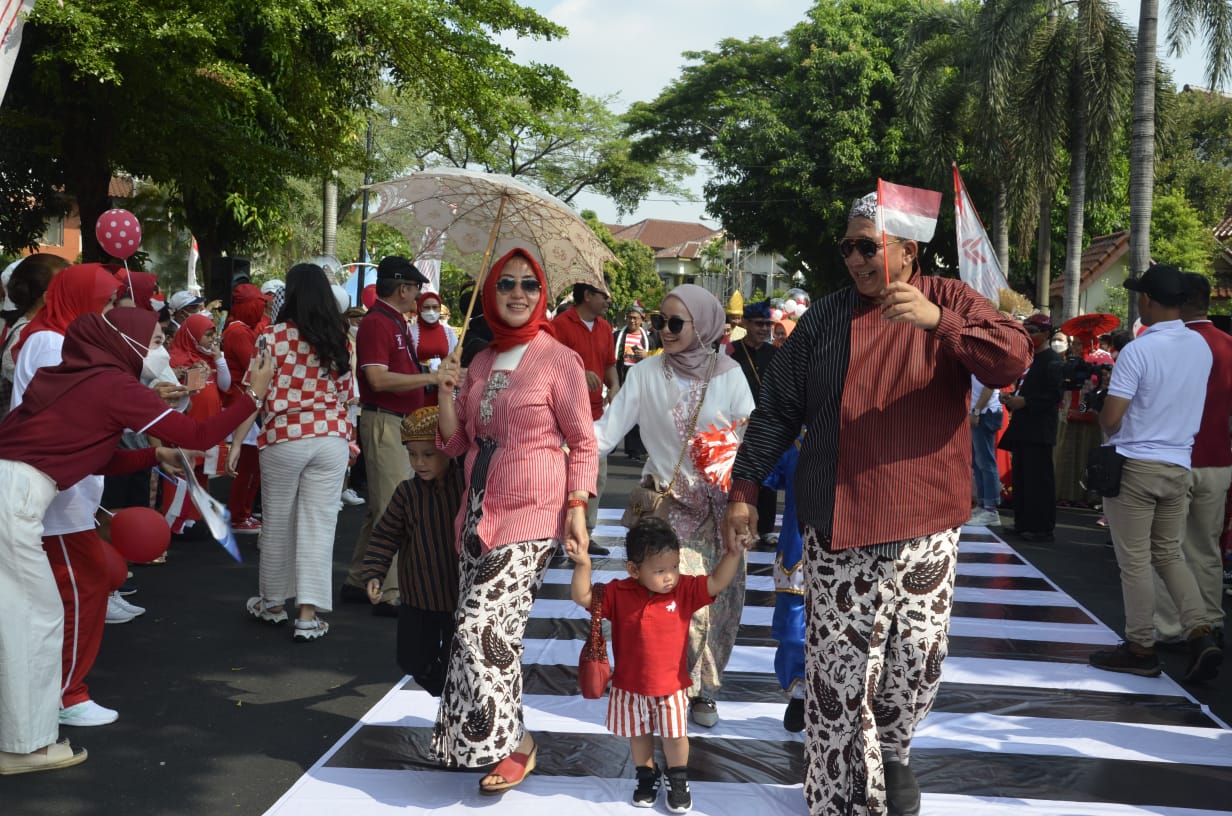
column 631, row 49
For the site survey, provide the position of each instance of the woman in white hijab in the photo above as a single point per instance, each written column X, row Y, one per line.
column 661, row 394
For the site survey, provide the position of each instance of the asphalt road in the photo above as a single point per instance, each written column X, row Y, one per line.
column 220, row 714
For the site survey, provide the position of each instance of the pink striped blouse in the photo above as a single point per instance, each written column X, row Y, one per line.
column 545, row 407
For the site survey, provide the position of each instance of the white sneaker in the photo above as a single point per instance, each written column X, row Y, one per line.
column 352, row 498
column 87, row 714
column 126, row 605
column 983, row 517
column 116, row 613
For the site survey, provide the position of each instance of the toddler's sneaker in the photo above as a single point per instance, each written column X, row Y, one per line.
column 309, row 630
column 679, row 800
column 648, row 782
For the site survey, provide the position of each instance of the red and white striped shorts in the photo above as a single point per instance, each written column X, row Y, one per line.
column 632, row 715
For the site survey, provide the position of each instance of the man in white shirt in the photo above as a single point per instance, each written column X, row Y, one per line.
column 1151, row 413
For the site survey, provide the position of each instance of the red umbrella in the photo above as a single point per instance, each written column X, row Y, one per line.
column 1089, row 327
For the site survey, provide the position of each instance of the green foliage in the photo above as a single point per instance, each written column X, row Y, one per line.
column 796, row 127
column 1197, row 159
column 226, row 103
column 1179, row 234
column 634, row 279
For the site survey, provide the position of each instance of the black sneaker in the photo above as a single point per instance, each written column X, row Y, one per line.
column 793, row 717
column 595, row 549
column 1127, row 661
column 902, row 791
column 704, row 711
column 679, row 800
column 1204, row 656
column 648, row 782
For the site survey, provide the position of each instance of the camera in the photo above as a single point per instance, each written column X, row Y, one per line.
column 1078, row 372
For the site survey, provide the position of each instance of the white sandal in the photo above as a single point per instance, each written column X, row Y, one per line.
column 267, row 611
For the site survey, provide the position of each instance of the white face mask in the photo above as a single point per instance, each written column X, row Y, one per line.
column 430, row 315
column 157, row 361
column 1059, row 346
column 157, row 305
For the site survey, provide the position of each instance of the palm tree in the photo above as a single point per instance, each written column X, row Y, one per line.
column 1079, row 68
column 1214, row 19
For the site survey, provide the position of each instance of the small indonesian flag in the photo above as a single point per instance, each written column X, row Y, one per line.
column 907, row 212
column 977, row 262
column 713, row 452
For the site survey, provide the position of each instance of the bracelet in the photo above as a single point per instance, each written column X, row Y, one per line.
column 572, row 503
column 255, row 399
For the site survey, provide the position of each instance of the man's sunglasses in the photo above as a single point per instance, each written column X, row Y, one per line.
column 530, row 286
column 867, row 246
column 674, row 324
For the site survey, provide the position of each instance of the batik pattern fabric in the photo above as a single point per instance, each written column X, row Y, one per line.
column 712, row 632
column 876, row 639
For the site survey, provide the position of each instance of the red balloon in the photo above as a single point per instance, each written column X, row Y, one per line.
column 118, row 233
column 368, row 296
column 114, row 566
column 140, row 534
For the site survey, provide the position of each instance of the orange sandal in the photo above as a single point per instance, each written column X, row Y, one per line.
column 513, row 769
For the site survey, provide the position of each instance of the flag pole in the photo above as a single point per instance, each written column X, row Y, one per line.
column 885, row 260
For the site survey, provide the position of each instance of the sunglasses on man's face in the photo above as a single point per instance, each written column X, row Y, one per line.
column 529, row 285
column 674, row 324
column 867, row 247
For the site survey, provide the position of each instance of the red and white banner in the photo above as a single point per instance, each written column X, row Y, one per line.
column 977, row 262
column 907, row 212
column 12, row 18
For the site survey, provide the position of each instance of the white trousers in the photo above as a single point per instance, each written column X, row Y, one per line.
column 31, row 614
column 300, row 483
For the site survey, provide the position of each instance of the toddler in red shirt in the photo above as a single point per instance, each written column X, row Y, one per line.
column 650, row 613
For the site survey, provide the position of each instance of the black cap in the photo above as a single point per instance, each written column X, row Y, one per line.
column 395, row 267
column 1162, row 283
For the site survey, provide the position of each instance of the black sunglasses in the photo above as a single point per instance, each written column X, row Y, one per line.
column 674, row 324
column 867, row 246
column 529, row 285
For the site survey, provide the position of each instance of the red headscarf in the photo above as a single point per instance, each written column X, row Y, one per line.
column 248, row 305
column 93, row 344
column 184, row 346
column 505, row 336
column 432, row 341
column 140, row 286
column 75, row 291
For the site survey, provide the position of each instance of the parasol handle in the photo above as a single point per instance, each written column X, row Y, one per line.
column 483, row 271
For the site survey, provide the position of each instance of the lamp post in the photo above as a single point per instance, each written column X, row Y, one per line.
column 363, row 224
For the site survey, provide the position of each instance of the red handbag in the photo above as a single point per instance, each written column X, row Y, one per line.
column 594, row 671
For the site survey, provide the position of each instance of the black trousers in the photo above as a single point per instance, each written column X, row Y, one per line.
column 633, row 443
column 767, row 506
column 1035, row 488
column 424, row 639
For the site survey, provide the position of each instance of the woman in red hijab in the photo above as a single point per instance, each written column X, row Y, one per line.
column 239, row 344
column 141, row 288
column 67, row 428
column 433, row 339
column 196, row 351
column 524, row 400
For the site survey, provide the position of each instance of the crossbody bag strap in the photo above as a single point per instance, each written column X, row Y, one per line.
column 405, row 331
column 693, row 423
column 752, row 364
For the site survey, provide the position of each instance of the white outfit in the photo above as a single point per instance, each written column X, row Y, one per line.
column 73, row 509
column 648, row 399
column 31, row 614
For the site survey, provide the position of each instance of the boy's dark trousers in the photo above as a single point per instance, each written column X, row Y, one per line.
column 424, row 638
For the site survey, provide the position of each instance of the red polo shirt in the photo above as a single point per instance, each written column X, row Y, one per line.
column 383, row 338
column 595, row 346
column 1212, row 446
column 650, row 633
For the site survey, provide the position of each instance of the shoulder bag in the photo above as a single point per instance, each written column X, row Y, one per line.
column 649, row 498
column 594, row 670
column 1103, row 472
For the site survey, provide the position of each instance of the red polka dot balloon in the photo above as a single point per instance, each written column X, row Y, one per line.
column 118, row 233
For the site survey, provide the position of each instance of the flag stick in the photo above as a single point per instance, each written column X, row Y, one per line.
column 885, row 260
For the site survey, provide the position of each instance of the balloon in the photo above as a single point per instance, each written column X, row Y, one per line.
column 369, row 295
column 140, row 534
column 118, row 233
column 114, row 566
column 776, row 315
